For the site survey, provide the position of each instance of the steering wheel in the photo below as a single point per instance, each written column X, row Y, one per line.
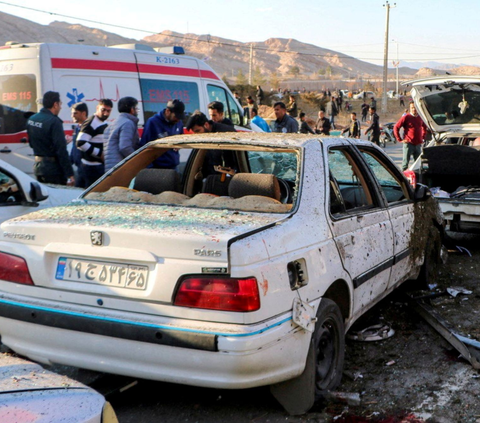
column 285, row 191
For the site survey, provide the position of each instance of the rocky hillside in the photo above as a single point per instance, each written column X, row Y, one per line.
column 287, row 58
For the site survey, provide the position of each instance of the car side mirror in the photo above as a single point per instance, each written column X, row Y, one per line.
column 36, row 193
column 422, row 193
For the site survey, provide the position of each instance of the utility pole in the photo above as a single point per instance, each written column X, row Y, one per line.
column 396, row 63
column 387, row 7
column 250, row 65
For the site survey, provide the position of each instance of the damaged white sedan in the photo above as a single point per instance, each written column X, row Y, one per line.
column 244, row 270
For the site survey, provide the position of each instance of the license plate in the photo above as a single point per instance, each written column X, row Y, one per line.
column 103, row 273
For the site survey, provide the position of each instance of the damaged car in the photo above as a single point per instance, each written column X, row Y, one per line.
column 244, row 269
column 449, row 164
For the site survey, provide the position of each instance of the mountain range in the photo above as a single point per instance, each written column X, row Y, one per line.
column 283, row 58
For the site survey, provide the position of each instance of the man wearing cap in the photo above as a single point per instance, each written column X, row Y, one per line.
column 164, row 124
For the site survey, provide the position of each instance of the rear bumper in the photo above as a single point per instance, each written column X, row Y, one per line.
column 458, row 213
column 224, row 356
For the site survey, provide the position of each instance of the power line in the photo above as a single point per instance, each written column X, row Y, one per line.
column 244, row 46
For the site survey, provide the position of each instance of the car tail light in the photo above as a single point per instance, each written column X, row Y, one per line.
column 216, row 293
column 14, row 269
column 412, row 178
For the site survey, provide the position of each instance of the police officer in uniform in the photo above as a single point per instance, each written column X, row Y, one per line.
column 47, row 139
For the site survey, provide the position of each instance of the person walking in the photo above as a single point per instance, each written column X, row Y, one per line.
column 47, row 139
column 414, row 130
column 292, row 108
column 364, row 108
column 284, row 122
column 90, row 142
column 353, row 130
column 333, row 111
column 260, row 95
column 323, row 125
column 165, row 123
column 304, row 126
column 121, row 136
column 79, row 113
column 374, row 126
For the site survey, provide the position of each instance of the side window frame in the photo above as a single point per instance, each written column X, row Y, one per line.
column 394, row 172
column 368, row 184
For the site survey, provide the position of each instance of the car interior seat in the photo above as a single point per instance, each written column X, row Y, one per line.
column 156, row 181
column 243, row 184
column 216, row 184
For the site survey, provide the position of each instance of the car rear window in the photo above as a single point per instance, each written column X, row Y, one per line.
column 232, row 179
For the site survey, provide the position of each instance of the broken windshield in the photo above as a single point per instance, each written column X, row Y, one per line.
column 459, row 104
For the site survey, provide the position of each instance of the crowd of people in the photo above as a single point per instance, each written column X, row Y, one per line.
column 98, row 145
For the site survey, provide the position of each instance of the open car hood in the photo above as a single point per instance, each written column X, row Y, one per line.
column 448, row 105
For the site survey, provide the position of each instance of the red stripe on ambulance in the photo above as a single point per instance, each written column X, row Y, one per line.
column 58, row 63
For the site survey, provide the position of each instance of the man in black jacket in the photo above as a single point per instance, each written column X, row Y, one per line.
column 323, row 125
column 47, row 139
column 199, row 124
column 374, row 126
column 304, row 127
column 353, row 129
column 216, row 112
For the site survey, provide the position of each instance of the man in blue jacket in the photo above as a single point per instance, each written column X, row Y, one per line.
column 164, row 124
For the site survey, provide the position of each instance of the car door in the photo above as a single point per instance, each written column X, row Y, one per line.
column 360, row 224
column 399, row 199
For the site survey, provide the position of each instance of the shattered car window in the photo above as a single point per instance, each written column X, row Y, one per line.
column 459, row 104
column 282, row 165
column 233, row 179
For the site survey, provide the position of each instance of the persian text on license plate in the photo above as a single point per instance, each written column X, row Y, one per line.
column 98, row 272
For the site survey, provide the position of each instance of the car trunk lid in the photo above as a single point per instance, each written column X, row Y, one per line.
column 133, row 251
column 448, row 105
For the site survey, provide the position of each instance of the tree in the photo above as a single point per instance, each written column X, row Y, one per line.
column 257, row 77
column 225, row 79
column 274, row 81
column 321, row 71
column 294, row 70
column 241, row 78
column 329, row 71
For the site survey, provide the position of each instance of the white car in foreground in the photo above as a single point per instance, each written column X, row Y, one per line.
column 20, row 193
column 29, row 393
column 246, row 270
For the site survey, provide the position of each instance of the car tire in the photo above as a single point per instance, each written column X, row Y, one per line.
column 328, row 342
column 324, row 364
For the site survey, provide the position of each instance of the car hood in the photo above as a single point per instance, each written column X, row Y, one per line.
column 448, row 105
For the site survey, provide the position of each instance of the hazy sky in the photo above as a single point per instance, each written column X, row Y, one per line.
column 437, row 30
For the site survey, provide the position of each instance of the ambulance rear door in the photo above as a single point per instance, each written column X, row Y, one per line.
column 19, row 89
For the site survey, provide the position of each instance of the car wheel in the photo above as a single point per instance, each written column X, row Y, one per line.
column 329, row 346
column 324, row 365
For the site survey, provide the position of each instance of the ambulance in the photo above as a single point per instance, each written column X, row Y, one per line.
column 90, row 73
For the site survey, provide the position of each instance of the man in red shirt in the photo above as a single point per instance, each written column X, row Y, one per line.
column 413, row 134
